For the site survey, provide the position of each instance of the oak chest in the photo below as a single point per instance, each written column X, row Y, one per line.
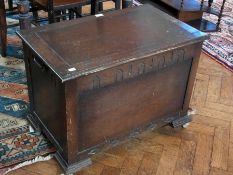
column 95, row 80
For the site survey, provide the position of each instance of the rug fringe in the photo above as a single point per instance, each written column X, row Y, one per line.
column 29, row 162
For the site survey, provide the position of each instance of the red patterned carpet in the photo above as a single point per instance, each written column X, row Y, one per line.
column 220, row 44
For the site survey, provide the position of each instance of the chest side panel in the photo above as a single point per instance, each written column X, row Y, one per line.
column 48, row 101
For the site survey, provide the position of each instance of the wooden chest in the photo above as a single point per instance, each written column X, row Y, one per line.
column 95, row 80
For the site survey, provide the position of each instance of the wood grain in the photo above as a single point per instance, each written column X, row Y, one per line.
column 184, row 164
column 227, row 91
column 220, row 148
column 202, row 159
column 214, row 88
column 230, row 156
column 150, row 163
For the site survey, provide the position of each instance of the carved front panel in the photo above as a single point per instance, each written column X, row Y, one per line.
column 153, row 63
column 129, row 96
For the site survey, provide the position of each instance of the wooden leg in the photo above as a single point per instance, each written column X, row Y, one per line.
column 63, row 13
column 35, row 15
column 3, row 28
column 3, row 42
column 24, row 17
column 94, row 7
column 127, row 3
column 101, row 6
column 51, row 16
column 220, row 14
column 78, row 11
column 210, row 2
column 71, row 14
column 117, row 4
column 57, row 15
column 10, row 5
column 34, row 11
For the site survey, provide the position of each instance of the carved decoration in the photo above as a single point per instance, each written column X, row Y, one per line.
column 119, row 75
column 141, row 68
column 96, row 82
column 134, row 69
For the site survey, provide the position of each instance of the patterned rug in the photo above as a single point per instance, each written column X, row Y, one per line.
column 18, row 142
column 220, row 44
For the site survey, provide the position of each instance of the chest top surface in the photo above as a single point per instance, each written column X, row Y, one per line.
column 91, row 44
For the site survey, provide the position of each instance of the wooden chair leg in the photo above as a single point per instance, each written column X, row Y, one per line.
column 3, row 28
column 35, row 14
column 3, row 34
column 63, row 13
column 210, row 2
column 24, row 17
column 34, row 10
column 71, row 14
column 57, row 15
column 101, row 7
column 220, row 14
column 51, row 16
column 118, row 4
column 78, row 11
column 94, row 7
column 10, row 5
column 126, row 3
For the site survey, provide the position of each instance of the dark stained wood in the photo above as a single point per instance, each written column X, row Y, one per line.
column 204, row 25
column 3, row 28
column 183, row 10
column 189, row 16
column 184, row 5
column 59, row 3
column 95, row 81
column 97, row 6
column 59, row 9
column 149, row 104
column 24, row 17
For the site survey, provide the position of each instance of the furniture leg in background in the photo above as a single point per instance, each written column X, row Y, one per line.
column 220, row 14
column 97, row 6
column 3, row 28
column 127, row 3
column 24, row 17
column 210, row 2
column 10, row 5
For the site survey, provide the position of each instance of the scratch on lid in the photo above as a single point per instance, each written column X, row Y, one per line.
column 99, row 15
column 72, row 69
